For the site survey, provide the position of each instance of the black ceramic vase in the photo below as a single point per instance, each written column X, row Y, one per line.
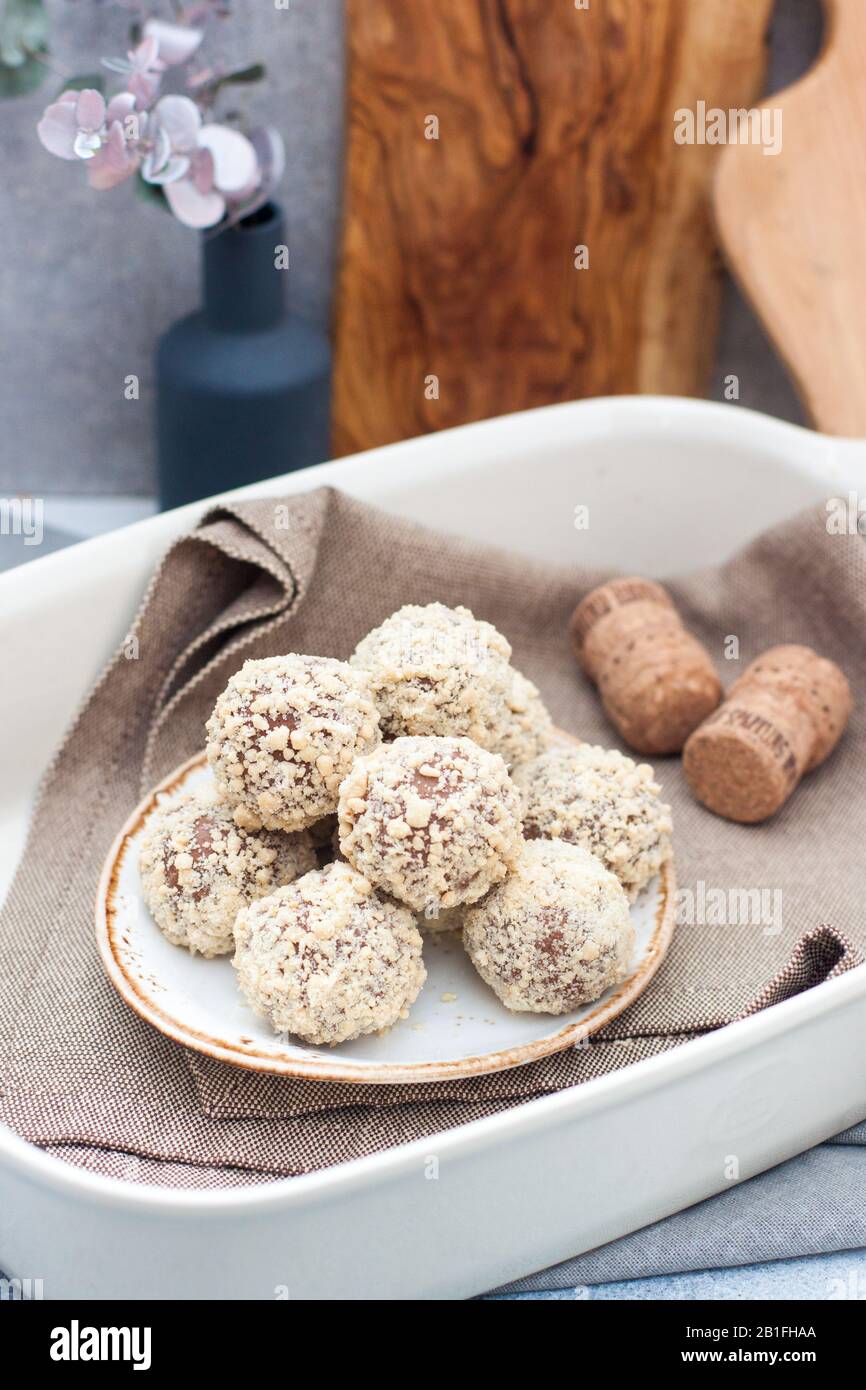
column 243, row 385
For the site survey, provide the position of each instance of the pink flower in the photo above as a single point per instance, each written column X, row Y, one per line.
column 222, row 168
column 175, row 42
column 172, row 138
column 74, row 126
column 81, row 126
column 207, row 171
column 142, row 67
column 119, row 156
column 198, row 166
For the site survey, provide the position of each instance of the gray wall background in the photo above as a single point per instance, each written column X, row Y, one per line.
column 88, row 281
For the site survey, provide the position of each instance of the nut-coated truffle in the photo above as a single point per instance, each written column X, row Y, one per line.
column 199, row 869
column 438, row 671
column 328, row 959
column 601, row 800
column 529, row 727
column 434, row 821
column 556, row 934
column 283, row 735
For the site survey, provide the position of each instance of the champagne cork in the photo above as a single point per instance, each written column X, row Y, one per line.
column 782, row 718
column 655, row 680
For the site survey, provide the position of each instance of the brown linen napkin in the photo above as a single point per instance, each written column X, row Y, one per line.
column 78, row 1070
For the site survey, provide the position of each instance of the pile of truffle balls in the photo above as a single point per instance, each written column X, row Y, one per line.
column 414, row 786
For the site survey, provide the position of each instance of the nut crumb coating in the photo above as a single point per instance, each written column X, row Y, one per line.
column 199, row 869
column 283, row 735
column 603, row 801
column 556, row 934
column 529, row 728
column 433, row 821
column 438, row 671
column 328, row 959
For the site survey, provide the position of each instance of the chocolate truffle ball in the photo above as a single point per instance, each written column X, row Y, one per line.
column 327, row 958
column 556, row 934
column 438, row 671
column 598, row 799
column 198, row 869
column 529, row 727
column 434, row 821
column 283, row 735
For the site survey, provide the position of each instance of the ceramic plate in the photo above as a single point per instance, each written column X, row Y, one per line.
column 456, row 1027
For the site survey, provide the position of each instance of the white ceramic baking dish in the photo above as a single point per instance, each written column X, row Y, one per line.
column 671, row 485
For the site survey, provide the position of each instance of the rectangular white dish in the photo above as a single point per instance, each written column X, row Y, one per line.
column 671, row 485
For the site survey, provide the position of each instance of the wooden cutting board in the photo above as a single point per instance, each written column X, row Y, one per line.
column 486, row 141
column 793, row 225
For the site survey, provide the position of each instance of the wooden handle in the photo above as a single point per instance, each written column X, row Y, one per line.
column 793, row 225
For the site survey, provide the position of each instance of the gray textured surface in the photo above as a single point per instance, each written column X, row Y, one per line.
column 88, row 281
column 819, row 1279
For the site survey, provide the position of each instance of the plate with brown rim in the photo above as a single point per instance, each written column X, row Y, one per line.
column 456, row 1027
